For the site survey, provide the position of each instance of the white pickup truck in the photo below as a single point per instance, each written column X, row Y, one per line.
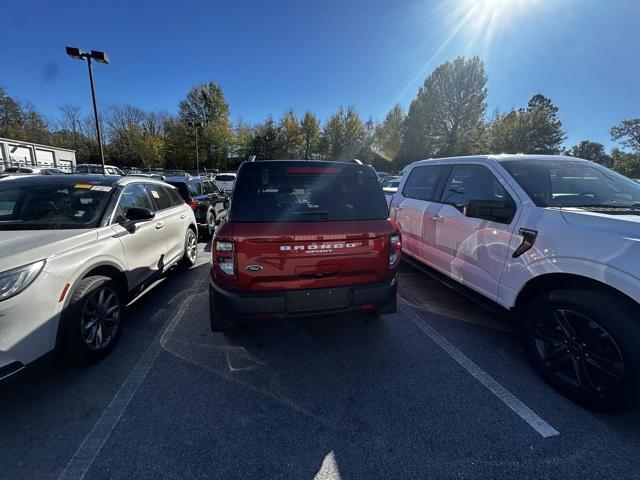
column 555, row 240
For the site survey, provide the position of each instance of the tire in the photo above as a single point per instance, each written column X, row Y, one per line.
column 211, row 225
column 585, row 344
column 190, row 257
column 93, row 320
column 220, row 321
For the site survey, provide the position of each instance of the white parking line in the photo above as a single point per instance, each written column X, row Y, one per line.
column 520, row 409
column 81, row 461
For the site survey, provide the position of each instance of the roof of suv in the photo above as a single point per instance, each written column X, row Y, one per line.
column 94, row 179
column 501, row 158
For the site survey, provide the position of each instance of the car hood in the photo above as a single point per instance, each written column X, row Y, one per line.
column 21, row 247
column 625, row 225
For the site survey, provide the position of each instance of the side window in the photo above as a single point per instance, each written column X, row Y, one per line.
column 160, row 195
column 133, row 196
column 111, row 171
column 473, row 182
column 195, row 188
column 423, row 182
column 176, row 198
column 207, row 188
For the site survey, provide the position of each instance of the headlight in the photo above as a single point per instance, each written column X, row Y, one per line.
column 12, row 282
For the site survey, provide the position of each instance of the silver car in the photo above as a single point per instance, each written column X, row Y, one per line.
column 74, row 250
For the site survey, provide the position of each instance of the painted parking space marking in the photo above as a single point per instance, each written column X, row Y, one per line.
column 510, row 400
column 88, row 450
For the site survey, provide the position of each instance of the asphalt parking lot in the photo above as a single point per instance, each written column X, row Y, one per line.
column 440, row 389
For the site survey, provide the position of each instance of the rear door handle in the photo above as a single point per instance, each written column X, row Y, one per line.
column 437, row 218
column 159, row 225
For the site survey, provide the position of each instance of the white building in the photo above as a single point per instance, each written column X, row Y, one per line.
column 14, row 153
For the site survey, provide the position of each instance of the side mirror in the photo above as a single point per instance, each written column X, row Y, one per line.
column 492, row 210
column 139, row 214
column 225, row 204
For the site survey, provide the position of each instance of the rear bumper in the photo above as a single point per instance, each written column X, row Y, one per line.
column 379, row 296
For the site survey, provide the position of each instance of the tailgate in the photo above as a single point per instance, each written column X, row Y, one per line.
column 293, row 255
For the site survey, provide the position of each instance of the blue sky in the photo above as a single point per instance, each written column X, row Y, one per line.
column 272, row 55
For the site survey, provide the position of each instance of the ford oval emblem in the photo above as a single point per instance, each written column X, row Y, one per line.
column 253, row 268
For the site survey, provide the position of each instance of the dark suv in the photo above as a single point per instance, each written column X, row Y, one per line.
column 303, row 238
column 208, row 202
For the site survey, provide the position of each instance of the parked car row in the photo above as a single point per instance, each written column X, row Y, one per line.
column 550, row 240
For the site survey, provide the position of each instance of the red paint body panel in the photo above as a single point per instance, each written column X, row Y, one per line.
column 305, row 255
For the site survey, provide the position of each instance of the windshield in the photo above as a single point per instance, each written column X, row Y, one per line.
column 52, row 206
column 301, row 197
column 573, row 184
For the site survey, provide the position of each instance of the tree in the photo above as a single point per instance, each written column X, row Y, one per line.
column 627, row 133
column 627, row 164
column 205, row 105
column 343, row 135
column 265, row 142
column 290, row 138
column 546, row 134
column 535, row 130
column 589, row 150
column 447, row 116
column 310, row 128
column 388, row 134
column 10, row 117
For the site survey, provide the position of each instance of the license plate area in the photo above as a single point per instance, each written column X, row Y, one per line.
column 318, row 299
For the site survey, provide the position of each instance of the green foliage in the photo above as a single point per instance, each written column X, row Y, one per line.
column 589, row 150
column 311, row 132
column 343, row 135
column 446, row 118
column 627, row 164
column 627, row 133
column 535, row 130
column 388, row 135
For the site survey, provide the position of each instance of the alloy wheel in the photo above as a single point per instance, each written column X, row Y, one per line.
column 579, row 351
column 192, row 247
column 100, row 319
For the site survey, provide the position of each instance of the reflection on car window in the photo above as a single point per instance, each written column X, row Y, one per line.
column 52, row 206
column 133, row 196
column 472, row 182
column 422, row 182
column 194, row 188
column 564, row 183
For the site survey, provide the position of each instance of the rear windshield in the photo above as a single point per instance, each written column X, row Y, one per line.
column 52, row 206
column 307, row 195
column 225, row 178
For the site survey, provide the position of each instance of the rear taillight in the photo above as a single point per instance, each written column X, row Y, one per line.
column 194, row 204
column 395, row 240
column 224, row 257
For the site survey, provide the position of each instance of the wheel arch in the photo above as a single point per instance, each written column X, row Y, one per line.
column 562, row 281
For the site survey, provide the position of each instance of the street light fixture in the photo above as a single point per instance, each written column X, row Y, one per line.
column 195, row 126
column 100, row 57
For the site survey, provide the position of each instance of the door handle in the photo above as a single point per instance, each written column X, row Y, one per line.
column 437, row 218
column 159, row 225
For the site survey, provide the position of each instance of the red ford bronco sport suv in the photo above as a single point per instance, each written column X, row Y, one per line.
column 303, row 238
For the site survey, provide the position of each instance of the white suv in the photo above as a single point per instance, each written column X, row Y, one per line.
column 555, row 239
column 225, row 181
column 74, row 249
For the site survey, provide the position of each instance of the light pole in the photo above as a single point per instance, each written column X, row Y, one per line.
column 195, row 126
column 98, row 57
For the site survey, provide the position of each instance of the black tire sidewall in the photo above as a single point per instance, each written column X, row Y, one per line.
column 618, row 317
column 186, row 261
column 72, row 343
